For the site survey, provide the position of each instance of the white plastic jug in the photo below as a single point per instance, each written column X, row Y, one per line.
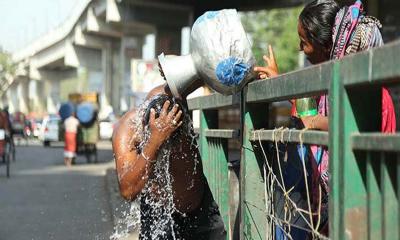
column 220, row 56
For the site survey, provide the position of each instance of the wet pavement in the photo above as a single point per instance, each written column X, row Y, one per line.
column 43, row 199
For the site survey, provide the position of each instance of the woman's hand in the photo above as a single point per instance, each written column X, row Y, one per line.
column 271, row 68
column 162, row 127
column 309, row 121
column 316, row 122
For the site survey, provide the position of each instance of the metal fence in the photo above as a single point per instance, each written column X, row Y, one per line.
column 364, row 164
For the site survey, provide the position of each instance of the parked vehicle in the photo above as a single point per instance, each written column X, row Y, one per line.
column 50, row 130
column 36, row 126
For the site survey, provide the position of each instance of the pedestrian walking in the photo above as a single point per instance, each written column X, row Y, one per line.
column 71, row 128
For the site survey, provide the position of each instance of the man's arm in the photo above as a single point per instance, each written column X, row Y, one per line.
column 132, row 168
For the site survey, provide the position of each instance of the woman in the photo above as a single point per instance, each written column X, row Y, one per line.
column 328, row 32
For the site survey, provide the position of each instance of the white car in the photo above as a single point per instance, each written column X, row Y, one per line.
column 37, row 127
column 50, row 130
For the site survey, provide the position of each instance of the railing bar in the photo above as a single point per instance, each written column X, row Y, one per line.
column 370, row 178
column 383, row 194
column 398, row 190
column 309, row 137
column 215, row 162
column 218, row 168
column 376, row 142
column 213, row 170
column 314, row 80
column 213, row 101
column 374, row 198
column 389, row 197
column 209, row 166
column 222, row 133
column 366, row 68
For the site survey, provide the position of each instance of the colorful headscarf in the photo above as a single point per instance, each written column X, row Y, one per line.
column 354, row 32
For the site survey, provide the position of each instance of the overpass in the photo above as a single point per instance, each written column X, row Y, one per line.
column 92, row 50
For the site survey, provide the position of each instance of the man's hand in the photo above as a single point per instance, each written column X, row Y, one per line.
column 271, row 68
column 162, row 127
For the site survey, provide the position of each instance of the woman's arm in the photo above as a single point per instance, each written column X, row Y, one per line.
column 316, row 122
column 133, row 169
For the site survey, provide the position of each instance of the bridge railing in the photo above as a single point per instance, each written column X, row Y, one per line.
column 213, row 141
column 364, row 164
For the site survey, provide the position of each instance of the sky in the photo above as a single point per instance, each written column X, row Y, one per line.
column 23, row 21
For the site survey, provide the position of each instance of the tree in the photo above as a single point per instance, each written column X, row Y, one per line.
column 7, row 67
column 277, row 27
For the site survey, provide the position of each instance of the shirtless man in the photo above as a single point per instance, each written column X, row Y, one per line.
column 195, row 215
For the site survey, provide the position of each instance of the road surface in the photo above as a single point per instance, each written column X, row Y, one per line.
column 43, row 199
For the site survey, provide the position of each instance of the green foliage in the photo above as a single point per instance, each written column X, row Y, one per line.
column 6, row 64
column 277, row 27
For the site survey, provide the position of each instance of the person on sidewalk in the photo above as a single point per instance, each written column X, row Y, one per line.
column 158, row 161
column 71, row 128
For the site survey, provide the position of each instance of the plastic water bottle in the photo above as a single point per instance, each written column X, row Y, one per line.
column 306, row 107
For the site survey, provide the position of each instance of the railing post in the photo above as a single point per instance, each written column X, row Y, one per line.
column 214, row 154
column 352, row 110
column 253, row 216
column 208, row 120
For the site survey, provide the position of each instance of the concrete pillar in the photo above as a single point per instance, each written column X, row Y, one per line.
column 107, row 71
column 36, row 96
column 52, row 90
column 116, row 76
column 51, row 80
column 131, row 48
column 23, row 95
column 12, row 98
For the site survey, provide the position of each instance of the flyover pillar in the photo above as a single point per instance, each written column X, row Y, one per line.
column 23, row 95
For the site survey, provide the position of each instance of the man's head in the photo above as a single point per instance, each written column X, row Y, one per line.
column 157, row 103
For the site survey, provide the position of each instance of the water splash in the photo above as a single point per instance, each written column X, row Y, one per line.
column 156, row 202
column 128, row 223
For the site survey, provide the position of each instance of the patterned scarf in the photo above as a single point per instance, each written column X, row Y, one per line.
column 354, row 32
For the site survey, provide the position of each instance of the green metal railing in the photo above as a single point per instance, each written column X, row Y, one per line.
column 364, row 164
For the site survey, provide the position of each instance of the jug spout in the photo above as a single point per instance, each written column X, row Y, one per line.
column 180, row 72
